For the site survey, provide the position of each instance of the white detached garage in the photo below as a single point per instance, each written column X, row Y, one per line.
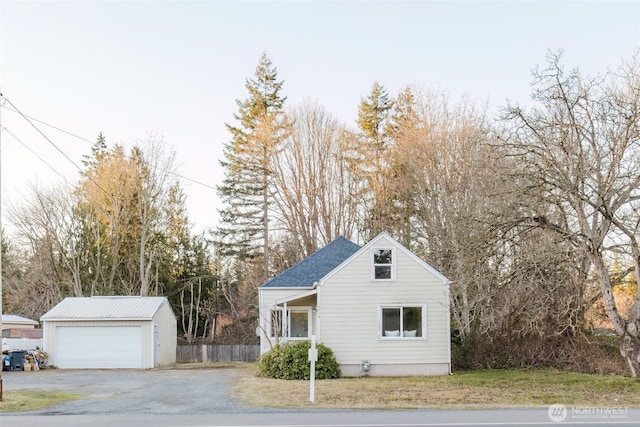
column 110, row 332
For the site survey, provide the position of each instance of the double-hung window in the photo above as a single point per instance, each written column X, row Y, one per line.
column 403, row 321
column 383, row 264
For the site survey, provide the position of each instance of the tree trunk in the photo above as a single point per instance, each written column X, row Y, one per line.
column 630, row 350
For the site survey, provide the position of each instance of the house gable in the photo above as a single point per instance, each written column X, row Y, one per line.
column 384, row 240
column 355, row 309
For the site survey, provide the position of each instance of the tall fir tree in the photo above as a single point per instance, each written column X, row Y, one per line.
column 259, row 129
column 404, row 127
column 374, row 121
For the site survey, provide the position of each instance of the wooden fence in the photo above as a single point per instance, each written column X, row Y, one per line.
column 217, row 353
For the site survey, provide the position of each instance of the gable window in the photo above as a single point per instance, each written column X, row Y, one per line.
column 403, row 321
column 383, row 267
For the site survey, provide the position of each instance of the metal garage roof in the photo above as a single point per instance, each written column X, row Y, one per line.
column 105, row 308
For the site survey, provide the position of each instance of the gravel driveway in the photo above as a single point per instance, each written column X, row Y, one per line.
column 158, row 391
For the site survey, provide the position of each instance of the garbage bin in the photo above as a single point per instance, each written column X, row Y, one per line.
column 16, row 360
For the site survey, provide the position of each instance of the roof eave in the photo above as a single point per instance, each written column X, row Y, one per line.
column 93, row 319
column 287, row 287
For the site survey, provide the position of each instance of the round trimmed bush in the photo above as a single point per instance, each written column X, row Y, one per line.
column 290, row 361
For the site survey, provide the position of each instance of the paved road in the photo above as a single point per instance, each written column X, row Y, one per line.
column 509, row 417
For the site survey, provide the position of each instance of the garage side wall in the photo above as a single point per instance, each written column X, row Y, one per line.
column 165, row 326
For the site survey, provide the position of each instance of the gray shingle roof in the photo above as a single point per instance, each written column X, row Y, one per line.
column 315, row 266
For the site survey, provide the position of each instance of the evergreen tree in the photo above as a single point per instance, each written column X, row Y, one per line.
column 245, row 191
column 374, row 120
column 404, row 127
column 374, row 115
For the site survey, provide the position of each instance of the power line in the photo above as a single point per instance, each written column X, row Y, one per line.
column 50, row 125
column 56, row 147
column 194, row 181
column 43, row 135
column 92, row 142
column 34, row 153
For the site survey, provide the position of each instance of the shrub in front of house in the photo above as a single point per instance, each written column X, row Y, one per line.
column 290, row 361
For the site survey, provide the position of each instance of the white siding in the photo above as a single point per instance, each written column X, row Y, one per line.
column 348, row 306
column 164, row 322
column 268, row 298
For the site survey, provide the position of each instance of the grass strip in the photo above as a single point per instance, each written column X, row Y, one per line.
column 34, row 400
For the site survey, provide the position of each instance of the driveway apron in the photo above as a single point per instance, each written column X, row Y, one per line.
column 175, row 391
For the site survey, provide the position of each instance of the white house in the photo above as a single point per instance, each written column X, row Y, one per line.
column 381, row 309
column 110, row 332
column 20, row 333
column 13, row 321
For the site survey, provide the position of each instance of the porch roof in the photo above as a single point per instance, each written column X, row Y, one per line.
column 299, row 296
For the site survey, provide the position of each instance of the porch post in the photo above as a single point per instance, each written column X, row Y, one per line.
column 285, row 321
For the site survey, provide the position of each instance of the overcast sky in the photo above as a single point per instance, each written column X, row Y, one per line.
column 129, row 69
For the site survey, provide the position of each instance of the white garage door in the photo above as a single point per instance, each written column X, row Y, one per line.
column 98, row 346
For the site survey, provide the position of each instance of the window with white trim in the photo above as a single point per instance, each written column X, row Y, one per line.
column 296, row 326
column 383, row 267
column 403, row 321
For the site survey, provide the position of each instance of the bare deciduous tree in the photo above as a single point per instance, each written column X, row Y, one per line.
column 46, row 223
column 314, row 192
column 449, row 171
column 581, row 143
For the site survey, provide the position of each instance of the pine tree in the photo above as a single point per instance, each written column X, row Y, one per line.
column 374, row 115
column 245, row 190
column 404, row 127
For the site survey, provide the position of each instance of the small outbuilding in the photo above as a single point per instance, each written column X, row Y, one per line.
column 110, row 332
column 13, row 321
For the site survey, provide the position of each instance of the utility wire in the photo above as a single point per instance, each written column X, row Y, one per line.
column 34, row 153
column 92, row 142
column 43, row 135
column 57, row 148
column 50, row 125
